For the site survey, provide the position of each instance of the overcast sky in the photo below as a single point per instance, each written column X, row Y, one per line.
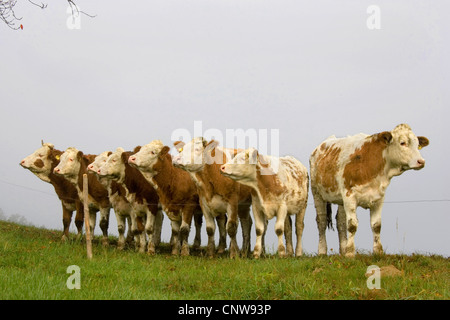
column 309, row 69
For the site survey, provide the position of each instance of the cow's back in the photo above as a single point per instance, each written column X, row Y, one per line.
column 328, row 161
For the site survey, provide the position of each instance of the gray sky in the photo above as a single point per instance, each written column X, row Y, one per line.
column 309, row 69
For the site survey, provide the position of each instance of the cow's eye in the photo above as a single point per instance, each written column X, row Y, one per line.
column 70, row 159
column 403, row 143
column 152, row 152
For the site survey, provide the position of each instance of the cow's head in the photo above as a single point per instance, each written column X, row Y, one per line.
column 194, row 155
column 114, row 166
column 99, row 161
column 242, row 167
column 69, row 163
column 403, row 147
column 247, row 165
column 148, row 157
column 42, row 161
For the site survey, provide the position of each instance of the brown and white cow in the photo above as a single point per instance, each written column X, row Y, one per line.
column 73, row 164
column 355, row 171
column 117, row 197
column 218, row 194
column 279, row 189
column 41, row 163
column 141, row 196
column 177, row 193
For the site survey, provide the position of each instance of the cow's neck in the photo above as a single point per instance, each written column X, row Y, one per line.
column 83, row 169
column 44, row 177
column 202, row 179
column 263, row 186
column 164, row 175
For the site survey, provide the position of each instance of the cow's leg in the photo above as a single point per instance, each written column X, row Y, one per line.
column 129, row 238
column 299, row 226
column 198, row 221
column 67, row 218
column 186, row 221
column 352, row 226
column 341, row 222
column 210, row 231
column 279, row 229
column 159, row 218
column 288, row 236
column 149, row 229
column 232, row 227
column 221, row 220
column 321, row 219
column 246, row 226
column 79, row 219
column 175, row 236
column 92, row 221
column 133, row 228
column 104, row 224
column 260, row 226
column 121, row 229
column 140, row 238
column 375, row 223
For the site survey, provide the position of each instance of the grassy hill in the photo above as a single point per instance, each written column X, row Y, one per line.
column 34, row 262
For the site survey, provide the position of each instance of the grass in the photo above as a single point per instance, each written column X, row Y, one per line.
column 33, row 265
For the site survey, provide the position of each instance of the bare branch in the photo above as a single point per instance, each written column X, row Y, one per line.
column 8, row 16
column 75, row 8
column 42, row 5
column 7, row 13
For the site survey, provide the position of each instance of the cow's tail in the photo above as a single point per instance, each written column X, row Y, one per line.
column 329, row 217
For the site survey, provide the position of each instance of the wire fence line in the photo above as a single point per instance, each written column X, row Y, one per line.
column 310, row 202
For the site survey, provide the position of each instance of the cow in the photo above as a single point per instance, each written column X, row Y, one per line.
column 41, row 163
column 279, row 188
column 117, row 197
column 218, row 194
column 73, row 164
column 143, row 199
column 177, row 193
column 355, row 171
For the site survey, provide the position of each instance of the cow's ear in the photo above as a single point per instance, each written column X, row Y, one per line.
column 125, row 155
column 79, row 155
column 253, row 156
column 385, row 136
column 56, row 154
column 164, row 151
column 423, row 142
column 179, row 145
column 211, row 145
column 137, row 149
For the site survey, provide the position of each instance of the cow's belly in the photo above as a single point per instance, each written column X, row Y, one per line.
column 217, row 205
column 270, row 210
column 120, row 205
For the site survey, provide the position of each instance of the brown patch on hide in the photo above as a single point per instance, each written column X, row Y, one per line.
column 367, row 162
column 327, row 168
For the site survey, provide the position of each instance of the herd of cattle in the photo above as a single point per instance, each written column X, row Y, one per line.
column 221, row 184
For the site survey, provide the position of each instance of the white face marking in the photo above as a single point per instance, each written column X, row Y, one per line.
column 192, row 156
column 147, row 157
column 113, row 167
column 242, row 167
column 39, row 163
column 403, row 151
column 99, row 161
column 69, row 165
